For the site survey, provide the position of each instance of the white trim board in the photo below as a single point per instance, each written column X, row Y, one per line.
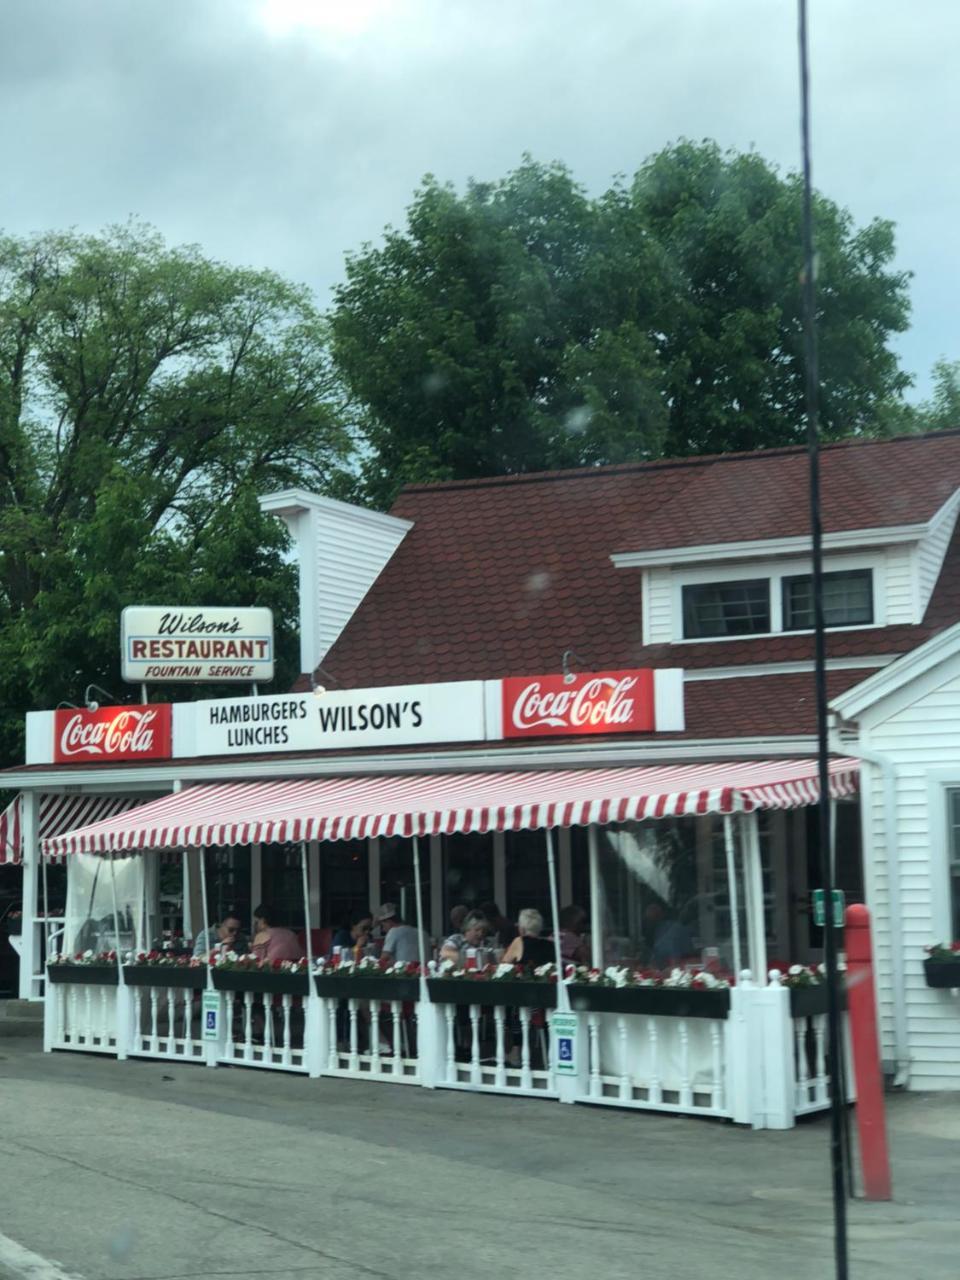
column 892, row 678
column 799, row 544
column 574, row 756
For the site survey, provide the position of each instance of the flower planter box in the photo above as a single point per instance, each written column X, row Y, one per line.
column 161, row 975
column 515, row 993
column 336, row 987
column 667, row 1002
column 942, row 973
column 262, row 982
column 99, row 975
column 808, row 1002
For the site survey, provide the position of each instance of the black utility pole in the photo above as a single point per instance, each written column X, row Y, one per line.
column 835, row 1040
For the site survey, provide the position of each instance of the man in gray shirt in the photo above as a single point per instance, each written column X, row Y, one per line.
column 400, row 941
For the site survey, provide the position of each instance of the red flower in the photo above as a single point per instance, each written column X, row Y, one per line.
column 276, row 965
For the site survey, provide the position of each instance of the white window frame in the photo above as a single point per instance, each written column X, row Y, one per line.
column 940, row 783
column 774, row 574
column 952, row 860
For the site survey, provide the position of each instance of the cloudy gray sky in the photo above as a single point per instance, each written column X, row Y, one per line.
column 283, row 132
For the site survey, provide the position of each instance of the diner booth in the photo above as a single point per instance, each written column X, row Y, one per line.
column 728, row 1031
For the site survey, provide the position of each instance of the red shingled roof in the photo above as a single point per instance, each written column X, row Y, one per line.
column 499, row 576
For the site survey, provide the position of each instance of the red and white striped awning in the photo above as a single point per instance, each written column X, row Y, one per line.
column 355, row 808
column 57, row 813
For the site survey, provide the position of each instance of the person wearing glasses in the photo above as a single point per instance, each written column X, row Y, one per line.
column 227, row 934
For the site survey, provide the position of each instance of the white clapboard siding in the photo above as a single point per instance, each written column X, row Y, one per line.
column 933, row 548
column 899, row 578
column 922, row 739
column 658, row 624
column 341, row 551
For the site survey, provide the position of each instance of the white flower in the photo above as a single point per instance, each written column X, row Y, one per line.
column 503, row 970
column 446, row 966
column 795, row 970
column 88, row 955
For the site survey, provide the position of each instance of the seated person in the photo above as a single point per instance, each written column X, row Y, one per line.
column 227, row 935
column 671, row 940
column 502, row 931
column 529, row 949
column 455, row 947
column 354, row 939
column 573, row 925
column 401, row 942
column 272, row 941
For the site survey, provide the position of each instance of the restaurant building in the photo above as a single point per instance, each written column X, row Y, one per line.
column 588, row 687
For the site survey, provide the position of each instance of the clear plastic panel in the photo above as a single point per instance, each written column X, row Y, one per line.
column 90, row 903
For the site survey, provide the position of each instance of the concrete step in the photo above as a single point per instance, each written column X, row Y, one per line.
column 11, row 1027
column 20, row 1010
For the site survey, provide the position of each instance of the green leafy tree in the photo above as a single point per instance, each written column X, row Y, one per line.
column 146, row 395
column 503, row 331
column 942, row 410
column 731, row 343
column 524, row 325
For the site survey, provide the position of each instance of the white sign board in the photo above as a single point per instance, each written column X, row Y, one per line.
column 336, row 720
column 210, row 1010
column 564, row 1028
column 176, row 645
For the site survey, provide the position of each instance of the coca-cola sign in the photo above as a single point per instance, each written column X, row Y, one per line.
column 112, row 733
column 591, row 703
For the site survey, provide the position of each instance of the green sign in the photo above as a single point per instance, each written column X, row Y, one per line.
column 819, row 911
column 564, row 1027
column 210, row 1014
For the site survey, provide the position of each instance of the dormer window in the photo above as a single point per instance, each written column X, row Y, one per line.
column 712, row 609
column 729, row 602
column 847, row 600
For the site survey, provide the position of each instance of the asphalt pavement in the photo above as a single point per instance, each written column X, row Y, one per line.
column 155, row 1171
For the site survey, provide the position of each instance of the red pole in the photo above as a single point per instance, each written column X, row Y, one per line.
column 862, row 1003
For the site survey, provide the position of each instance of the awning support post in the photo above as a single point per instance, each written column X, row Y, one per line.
column 205, row 924
column 563, row 995
column 30, row 857
column 732, row 892
column 123, row 1011
column 312, row 1010
column 753, row 889
column 430, row 1038
column 596, row 898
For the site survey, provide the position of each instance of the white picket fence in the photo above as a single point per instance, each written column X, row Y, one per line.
column 759, row 1066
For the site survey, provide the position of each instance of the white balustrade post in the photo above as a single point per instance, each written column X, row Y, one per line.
column 779, row 1073
column 123, row 1018
column 431, row 1041
column 316, row 1034
column 744, row 1083
column 51, row 1015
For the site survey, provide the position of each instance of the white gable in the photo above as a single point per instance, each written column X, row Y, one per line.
column 341, row 551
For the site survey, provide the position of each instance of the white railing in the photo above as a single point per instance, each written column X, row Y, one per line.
column 81, row 1016
column 166, row 1024
column 263, row 1030
column 765, row 1064
column 496, row 1048
column 657, row 1063
column 371, row 1039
